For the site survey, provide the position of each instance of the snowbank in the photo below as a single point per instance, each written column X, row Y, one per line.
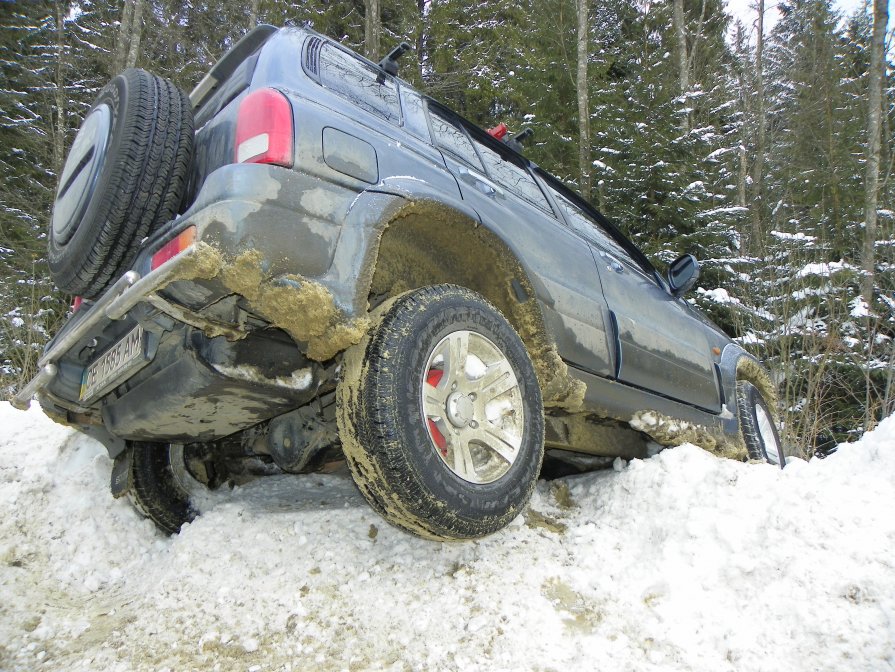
column 680, row 562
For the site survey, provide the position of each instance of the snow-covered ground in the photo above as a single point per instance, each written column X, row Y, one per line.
column 680, row 562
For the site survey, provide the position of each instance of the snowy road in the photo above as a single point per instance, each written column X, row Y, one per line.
column 681, row 562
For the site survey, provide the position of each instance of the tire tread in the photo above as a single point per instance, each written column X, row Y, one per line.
column 143, row 189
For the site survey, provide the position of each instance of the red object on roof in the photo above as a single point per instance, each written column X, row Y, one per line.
column 498, row 131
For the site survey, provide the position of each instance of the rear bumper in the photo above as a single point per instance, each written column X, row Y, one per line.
column 202, row 379
column 275, row 250
column 130, row 290
column 292, row 220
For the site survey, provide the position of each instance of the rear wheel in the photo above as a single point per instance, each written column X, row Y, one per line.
column 162, row 486
column 440, row 415
column 125, row 176
column 757, row 425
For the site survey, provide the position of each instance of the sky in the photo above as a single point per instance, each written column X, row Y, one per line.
column 743, row 10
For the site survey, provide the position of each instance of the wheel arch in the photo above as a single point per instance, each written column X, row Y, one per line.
column 739, row 365
column 426, row 242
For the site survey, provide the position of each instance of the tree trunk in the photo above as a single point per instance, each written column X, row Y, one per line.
column 421, row 43
column 254, row 10
column 59, row 134
column 839, row 242
column 743, row 164
column 871, row 174
column 136, row 33
column 583, row 96
column 124, row 34
column 372, row 29
column 683, row 60
column 756, row 242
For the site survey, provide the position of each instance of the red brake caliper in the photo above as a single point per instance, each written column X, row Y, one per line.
column 433, row 378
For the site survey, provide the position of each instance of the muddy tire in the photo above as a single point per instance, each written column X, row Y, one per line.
column 124, row 177
column 440, row 415
column 162, row 489
column 757, row 425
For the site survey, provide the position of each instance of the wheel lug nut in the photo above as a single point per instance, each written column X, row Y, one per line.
column 474, row 424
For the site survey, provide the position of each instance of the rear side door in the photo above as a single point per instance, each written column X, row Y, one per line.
column 659, row 346
column 510, row 202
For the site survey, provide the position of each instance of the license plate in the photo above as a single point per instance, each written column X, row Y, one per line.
column 111, row 367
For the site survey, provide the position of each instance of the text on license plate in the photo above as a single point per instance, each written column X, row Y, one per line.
column 125, row 356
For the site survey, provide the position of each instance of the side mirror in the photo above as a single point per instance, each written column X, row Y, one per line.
column 683, row 273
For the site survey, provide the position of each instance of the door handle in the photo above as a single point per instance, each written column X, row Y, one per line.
column 482, row 184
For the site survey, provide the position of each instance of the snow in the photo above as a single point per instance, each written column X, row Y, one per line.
column 718, row 295
column 750, row 338
column 602, row 166
column 683, row 561
column 823, row 268
column 800, row 237
column 859, row 307
column 299, row 379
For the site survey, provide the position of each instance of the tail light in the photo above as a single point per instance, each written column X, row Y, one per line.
column 264, row 129
column 76, row 304
column 174, row 247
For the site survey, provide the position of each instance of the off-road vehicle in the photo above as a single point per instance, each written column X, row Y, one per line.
column 306, row 257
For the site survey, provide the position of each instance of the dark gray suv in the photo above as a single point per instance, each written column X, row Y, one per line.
column 306, row 258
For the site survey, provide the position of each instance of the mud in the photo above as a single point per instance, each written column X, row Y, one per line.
column 537, row 520
column 364, row 469
column 755, row 374
column 584, row 618
column 563, row 496
column 593, row 435
column 558, row 388
column 303, row 308
column 428, row 244
column 669, row 431
column 204, row 263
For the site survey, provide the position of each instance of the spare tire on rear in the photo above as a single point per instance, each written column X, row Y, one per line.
column 124, row 177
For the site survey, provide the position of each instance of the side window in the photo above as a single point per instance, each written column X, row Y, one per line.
column 360, row 83
column 513, row 177
column 414, row 114
column 453, row 139
column 587, row 227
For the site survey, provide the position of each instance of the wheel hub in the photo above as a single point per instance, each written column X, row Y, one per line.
column 768, row 438
column 471, row 405
column 460, row 409
column 81, row 172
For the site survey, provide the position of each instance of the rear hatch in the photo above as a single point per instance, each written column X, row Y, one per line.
column 215, row 106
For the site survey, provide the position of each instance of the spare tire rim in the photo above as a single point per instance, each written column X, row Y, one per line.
column 79, row 175
column 768, row 436
column 472, row 408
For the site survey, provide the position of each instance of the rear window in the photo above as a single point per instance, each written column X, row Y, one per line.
column 362, row 84
column 451, row 137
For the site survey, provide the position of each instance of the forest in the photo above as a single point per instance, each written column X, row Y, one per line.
column 766, row 153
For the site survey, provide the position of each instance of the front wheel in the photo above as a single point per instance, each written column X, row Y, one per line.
column 757, row 425
column 441, row 417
